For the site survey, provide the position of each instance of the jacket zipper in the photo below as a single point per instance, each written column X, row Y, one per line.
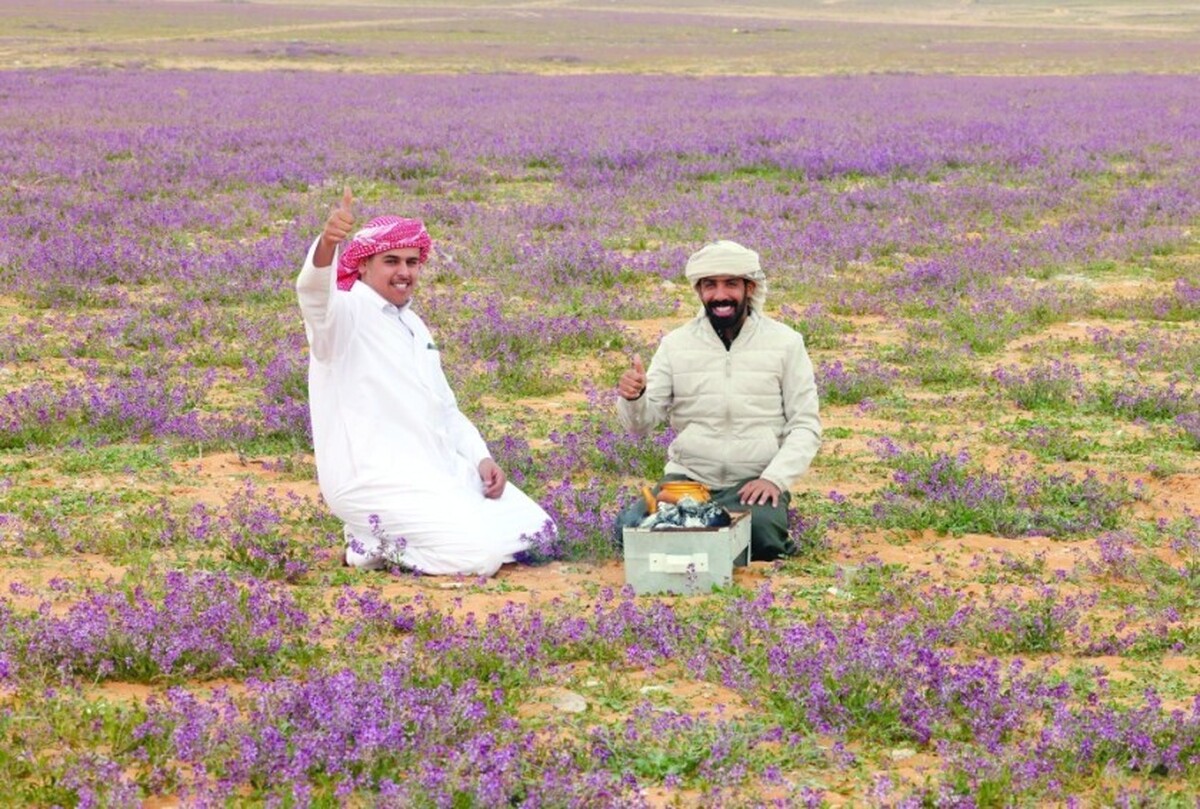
column 728, row 414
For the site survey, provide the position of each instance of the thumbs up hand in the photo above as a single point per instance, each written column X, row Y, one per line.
column 340, row 221
column 337, row 228
column 633, row 382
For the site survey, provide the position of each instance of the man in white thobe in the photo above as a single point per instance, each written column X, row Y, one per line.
column 407, row 473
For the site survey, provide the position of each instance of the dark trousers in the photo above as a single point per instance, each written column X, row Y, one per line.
column 768, row 524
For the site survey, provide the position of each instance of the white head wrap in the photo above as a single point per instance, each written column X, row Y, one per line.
column 724, row 257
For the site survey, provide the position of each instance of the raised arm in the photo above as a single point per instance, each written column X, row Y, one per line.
column 318, row 276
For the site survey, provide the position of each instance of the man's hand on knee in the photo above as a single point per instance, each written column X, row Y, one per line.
column 493, row 478
column 759, row 492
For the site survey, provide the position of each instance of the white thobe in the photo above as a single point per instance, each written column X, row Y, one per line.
column 397, row 461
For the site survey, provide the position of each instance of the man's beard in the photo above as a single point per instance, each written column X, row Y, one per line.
column 721, row 323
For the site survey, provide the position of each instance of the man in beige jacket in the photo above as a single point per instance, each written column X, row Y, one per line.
column 737, row 388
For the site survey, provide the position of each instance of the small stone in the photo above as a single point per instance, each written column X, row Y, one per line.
column 567, row 701
column 847, row 572
column 901, row 753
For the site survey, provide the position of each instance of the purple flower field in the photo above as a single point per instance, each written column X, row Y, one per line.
column 996, row 599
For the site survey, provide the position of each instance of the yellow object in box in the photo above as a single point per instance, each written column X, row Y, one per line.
column 673, row 491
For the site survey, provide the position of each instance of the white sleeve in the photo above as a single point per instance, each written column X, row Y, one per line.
column 314, row 288
column 466, row 438
column 802, row 429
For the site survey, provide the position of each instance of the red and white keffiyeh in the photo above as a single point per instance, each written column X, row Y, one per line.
column 381, row 234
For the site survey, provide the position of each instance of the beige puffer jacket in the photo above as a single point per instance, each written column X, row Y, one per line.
column 749, row 411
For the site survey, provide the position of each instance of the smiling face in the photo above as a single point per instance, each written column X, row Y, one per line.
column 393, row 274
column 726, row 299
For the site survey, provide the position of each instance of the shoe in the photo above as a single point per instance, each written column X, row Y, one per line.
column 362, row 561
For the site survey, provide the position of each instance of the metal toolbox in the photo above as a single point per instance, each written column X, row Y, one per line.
column 686, row 561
